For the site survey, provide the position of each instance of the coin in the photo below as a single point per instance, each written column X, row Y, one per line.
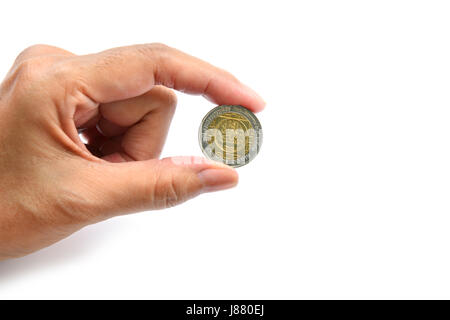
column 231, row 135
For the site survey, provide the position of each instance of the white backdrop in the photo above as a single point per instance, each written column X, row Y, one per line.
column 349, row 196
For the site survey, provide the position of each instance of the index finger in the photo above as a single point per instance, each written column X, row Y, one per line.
column 127, row 72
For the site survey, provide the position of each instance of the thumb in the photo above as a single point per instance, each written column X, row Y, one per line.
column 156, row 184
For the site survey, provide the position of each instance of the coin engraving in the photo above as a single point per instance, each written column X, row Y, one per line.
column 230, row 134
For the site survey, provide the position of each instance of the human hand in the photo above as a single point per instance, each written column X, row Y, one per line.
column 51, row 184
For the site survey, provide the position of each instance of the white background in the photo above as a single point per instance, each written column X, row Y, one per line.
column 349, row 197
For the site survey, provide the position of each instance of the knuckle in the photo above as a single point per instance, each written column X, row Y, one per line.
column 172, row 194
column 66, row 73
column 170, row 188
column 170, row 100
column 24, row 75
column 28, row 65
column 166, row 193
column 31, row 51
column 152, row 49
column 165, row 99
column 158, row 46
column 28, row 69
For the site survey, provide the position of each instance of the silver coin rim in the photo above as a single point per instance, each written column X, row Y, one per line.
column 241, row 110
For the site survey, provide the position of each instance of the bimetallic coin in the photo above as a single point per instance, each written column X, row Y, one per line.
column 231, row 135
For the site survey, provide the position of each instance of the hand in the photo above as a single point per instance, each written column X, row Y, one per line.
column 52, row 184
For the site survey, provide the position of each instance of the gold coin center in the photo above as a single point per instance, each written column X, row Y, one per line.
column 235, row 137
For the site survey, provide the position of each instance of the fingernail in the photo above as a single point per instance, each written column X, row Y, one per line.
column 217, row 179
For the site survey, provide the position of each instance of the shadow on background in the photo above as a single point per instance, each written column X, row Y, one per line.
column 72, row 248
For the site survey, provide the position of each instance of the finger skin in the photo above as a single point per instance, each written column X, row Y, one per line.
column 51, row 185
column 136, row 128
column 127, row 72
column 127, row 112
column 155, row 184
column 39, row 50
